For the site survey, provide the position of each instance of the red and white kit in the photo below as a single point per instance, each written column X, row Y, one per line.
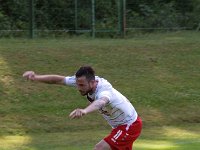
column 119, row 113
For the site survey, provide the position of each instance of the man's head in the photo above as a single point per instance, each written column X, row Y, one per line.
column 85, row 80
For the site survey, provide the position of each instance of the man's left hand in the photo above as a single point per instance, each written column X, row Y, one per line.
column 77, row 113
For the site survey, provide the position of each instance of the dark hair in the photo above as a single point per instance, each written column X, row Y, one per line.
column 86, row 71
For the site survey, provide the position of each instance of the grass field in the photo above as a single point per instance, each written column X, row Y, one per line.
column 159, row 73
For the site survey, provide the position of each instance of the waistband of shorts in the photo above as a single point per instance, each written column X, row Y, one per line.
column 128, row 125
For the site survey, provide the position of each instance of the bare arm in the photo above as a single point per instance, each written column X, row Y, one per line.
column 96, row 105
column 50, row 79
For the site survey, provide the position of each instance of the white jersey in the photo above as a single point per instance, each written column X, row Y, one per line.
column 119, row 111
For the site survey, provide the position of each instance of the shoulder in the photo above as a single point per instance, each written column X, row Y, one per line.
column 103, row 83
column 104, row 88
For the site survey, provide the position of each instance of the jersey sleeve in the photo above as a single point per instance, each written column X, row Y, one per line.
column 70, row 80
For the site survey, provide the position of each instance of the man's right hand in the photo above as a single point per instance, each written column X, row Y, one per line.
column 29, row 75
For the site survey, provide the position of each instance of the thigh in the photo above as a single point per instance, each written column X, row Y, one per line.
column 102, row 145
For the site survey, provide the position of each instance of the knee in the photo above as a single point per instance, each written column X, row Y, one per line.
column 102, row 145
column 99, row 146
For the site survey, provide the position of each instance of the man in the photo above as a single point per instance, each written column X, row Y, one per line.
column 113, row 106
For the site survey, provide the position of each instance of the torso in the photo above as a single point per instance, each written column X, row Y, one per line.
column 119, row 110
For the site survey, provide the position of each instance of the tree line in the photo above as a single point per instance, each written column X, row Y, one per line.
column 60, row 14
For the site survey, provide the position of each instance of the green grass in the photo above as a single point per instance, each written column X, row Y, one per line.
column 159, row 73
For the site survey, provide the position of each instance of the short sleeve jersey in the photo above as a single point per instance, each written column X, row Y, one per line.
column 119, row 110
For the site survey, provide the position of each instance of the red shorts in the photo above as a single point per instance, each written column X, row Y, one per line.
column 122, row 138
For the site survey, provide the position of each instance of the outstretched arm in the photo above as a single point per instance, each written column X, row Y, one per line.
column 50, row 79
column 96, row 105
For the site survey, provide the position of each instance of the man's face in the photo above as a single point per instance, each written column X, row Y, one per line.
column 83, row 85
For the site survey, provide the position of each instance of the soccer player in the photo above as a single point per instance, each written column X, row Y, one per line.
column 114, row 107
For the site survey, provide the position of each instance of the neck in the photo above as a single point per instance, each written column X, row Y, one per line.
column 94, row 87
